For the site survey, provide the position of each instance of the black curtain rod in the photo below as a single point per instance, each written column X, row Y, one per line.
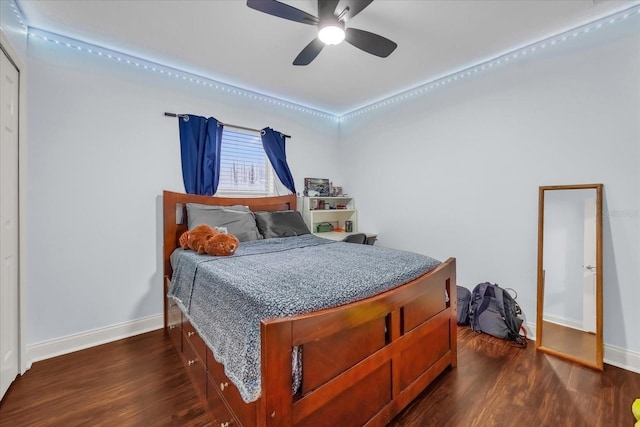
column 223, row 124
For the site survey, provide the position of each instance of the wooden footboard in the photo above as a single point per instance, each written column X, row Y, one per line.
column 362, row 362
column 380, row 352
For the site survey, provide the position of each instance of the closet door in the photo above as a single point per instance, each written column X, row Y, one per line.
column 9, row 285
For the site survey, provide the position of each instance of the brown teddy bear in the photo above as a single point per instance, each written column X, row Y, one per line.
column 205, row 239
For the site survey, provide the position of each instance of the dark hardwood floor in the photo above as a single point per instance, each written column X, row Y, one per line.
column 496, row 384
column 140, row 381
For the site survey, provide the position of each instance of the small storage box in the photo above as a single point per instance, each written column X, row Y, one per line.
column 324, row 227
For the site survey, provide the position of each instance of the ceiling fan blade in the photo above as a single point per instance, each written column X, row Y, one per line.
column 326, row 8
column 370, row 42
column 309, row 53
column 355, row 7
column 281, row 10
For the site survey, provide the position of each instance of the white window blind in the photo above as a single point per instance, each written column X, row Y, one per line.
column 245, row 169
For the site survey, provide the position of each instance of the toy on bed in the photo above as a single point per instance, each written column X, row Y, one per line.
column 205, row 239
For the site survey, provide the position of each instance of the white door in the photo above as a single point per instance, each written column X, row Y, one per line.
column 9, row 309
column 589, row 280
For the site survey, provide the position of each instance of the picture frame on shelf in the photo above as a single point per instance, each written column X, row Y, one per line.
column 336, row 192
column 316, row 187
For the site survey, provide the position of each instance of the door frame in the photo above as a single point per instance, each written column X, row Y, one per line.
column 5, row 44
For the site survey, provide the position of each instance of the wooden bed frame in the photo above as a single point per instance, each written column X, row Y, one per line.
column 362, row 362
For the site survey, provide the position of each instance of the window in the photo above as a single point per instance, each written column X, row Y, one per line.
column 245, row 169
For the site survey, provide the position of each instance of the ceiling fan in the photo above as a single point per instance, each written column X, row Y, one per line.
column 331, row 26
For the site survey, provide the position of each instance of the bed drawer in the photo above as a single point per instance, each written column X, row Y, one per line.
column 246, row 412
column 192, row 337
column 220, row 415
column 196, row 369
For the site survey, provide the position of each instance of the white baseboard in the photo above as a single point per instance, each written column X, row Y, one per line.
column 615, row 356
column 531, row 330
column 75, row 342
column 622, row 358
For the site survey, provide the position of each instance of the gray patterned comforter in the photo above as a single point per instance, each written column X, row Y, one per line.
column 226, row 297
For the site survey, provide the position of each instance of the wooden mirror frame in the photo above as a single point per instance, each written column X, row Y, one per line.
column 575, row 356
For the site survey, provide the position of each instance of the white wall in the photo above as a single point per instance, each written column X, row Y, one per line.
column 100, row 153
column 456, row 172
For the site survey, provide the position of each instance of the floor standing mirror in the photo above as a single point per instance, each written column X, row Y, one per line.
column 569, row 315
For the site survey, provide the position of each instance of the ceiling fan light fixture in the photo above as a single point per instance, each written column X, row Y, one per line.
column 331, row 33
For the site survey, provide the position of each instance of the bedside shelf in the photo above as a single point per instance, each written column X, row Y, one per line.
column 318, row 210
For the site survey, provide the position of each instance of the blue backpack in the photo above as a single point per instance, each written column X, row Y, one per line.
column 495, row 312
column 464, row 302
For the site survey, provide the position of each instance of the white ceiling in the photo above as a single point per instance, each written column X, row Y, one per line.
column 227, row 41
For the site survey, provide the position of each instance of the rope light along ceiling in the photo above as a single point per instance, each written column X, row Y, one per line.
column 171, row 72
column 528, row 50
column 17, row 13
column 421, row 90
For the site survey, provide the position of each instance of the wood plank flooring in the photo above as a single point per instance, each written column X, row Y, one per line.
column 140, row 381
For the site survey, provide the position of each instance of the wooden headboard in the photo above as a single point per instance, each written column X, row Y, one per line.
column 172, row 203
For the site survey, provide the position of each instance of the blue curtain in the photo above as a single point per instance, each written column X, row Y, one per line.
column 200, row 151
column 274, row 145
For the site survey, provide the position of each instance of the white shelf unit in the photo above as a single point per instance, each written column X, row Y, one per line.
column 313, row 216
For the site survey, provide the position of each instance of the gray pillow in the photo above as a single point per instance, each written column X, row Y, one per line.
column 238, row 221
column 281, row 224
column 201, row 207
